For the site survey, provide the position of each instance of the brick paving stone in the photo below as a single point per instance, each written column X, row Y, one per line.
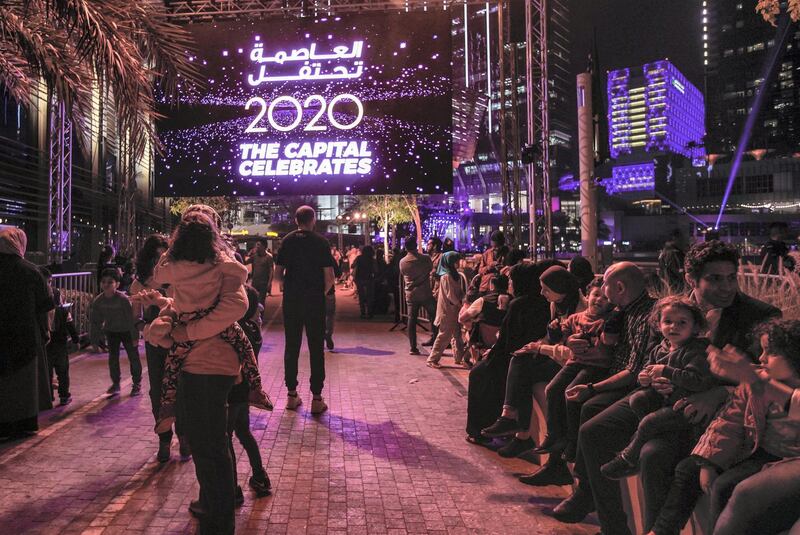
column 389, row 457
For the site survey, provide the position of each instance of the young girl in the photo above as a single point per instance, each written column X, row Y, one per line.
column 588, row 366
column 751, row 431
column 451, row 295
column 680, row 359
column 198, row 319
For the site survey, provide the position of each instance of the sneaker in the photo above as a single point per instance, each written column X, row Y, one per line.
column 618, row 468
column 238, row 500
column 196, row 509
column 184, row 450
column 260, row 400
column 516, row 447
column 549, row 474
column 502, row 427
column 318, row 406
column 261, row 485
column 433, row 364
column 329, row 343
column 163, row 451
column 429, row 343
column 66, row 400
column 292, row 402
column 414, row 351
column 113, row 390
column 136, row 389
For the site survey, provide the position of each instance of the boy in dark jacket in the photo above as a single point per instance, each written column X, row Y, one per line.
column 61, row 327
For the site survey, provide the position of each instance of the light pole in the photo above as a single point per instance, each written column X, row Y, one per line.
column 341, row 242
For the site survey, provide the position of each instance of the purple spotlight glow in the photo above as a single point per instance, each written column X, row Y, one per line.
column 767, row 75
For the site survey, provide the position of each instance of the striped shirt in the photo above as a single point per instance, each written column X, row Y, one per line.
column 638, row 339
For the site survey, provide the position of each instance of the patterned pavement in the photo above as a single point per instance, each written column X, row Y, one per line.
column 389, row 457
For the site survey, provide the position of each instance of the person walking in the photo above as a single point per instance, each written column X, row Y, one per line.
column 330, row 304
column 452, row 290
column 263, row 266
column 364, row 273
column 24, row 304
column 416, row 268
column 305, row 262
column 210, row 369
column 111, row 315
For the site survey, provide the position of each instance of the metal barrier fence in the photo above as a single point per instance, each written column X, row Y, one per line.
column 78, row 289
column 423, row 314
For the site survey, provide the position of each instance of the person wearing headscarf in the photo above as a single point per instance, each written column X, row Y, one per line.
column 452, row 290
column 581, row 268
column 560, row 288
column 24, row 304
column 525, row 321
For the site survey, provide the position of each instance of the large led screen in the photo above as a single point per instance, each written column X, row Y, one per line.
column 339, row 105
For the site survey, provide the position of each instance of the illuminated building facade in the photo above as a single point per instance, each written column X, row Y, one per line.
column 656, row 122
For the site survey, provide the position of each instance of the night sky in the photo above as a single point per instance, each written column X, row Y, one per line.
column 634, row 32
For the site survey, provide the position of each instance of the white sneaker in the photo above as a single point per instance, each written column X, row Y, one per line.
column 318, row 406
column 292, row 402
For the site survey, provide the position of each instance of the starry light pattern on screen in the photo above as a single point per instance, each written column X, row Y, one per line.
column 405, row 90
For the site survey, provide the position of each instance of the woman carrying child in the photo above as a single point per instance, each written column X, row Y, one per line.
column 207, row 352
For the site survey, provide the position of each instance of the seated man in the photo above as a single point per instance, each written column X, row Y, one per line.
column 711, row 271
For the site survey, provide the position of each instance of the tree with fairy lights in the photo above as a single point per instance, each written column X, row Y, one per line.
column 388, row 210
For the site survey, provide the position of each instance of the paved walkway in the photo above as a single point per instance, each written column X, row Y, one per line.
column 389, row 457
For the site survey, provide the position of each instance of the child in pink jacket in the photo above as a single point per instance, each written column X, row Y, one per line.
column 198, row 319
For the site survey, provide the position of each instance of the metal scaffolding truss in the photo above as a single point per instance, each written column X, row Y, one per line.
column 221, row 9
column 536, row 70
column 126, row 211
column 537, row 49
column 59, row 207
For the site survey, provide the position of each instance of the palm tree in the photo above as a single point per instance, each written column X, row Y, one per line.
column 127, row 47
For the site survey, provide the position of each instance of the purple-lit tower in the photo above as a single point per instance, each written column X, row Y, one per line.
column 656, row 119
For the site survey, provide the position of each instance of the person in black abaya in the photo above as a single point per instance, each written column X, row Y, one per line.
column 24, row 304
column 526, row 321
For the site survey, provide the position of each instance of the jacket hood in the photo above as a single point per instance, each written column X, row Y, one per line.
column 179, row 272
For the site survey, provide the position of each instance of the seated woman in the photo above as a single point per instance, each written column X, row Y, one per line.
column 563, row 418
column 751, row 432
column 561, row 289
column 525, row 321
column 482, row 318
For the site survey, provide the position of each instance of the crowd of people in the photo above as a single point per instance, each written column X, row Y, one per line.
column 696, row 390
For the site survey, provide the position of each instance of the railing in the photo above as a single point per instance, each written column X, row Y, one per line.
column 78, row 289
